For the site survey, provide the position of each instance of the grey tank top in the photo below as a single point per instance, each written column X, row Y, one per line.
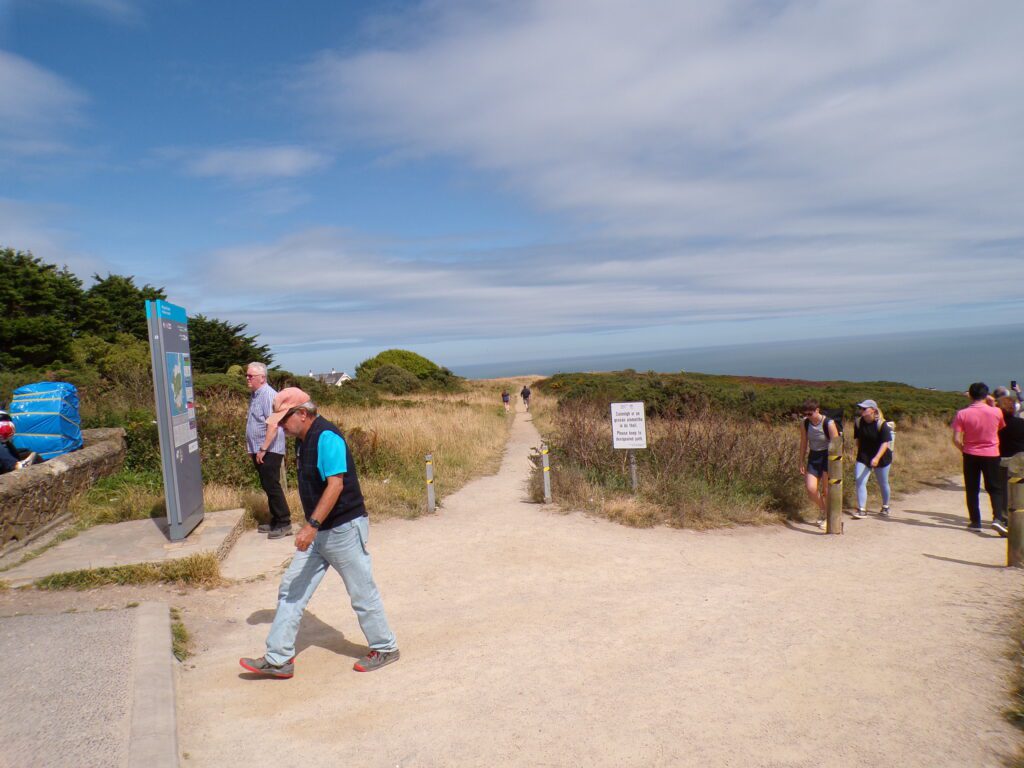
column 817, row 438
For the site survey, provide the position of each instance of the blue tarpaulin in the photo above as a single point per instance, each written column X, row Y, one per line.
column 46, row 418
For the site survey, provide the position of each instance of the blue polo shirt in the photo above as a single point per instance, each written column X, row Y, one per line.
column 330, row 458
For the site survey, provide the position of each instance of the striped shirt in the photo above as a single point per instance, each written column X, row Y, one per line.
column 261, row 405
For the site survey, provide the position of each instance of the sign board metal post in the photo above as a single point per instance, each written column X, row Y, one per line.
column 176, row 416
column 629, row 432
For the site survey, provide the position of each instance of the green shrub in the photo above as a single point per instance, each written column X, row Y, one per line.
column 395, row 380
column 417, row 365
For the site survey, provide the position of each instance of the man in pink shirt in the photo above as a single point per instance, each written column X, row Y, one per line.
column 976, row 436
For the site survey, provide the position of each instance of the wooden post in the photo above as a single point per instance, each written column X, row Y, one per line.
column 835, row 486
column 1015, row 511
column 431, row 506
column 632, row 470
column 547, row 472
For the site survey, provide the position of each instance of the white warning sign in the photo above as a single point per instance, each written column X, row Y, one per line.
column 629, row 428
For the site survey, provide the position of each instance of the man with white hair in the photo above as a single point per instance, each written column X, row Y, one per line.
column 267, row 460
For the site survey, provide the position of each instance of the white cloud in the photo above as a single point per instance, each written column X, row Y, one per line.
column 250, row 163
column 36, row 106
column 305, row 288
column 664, row 118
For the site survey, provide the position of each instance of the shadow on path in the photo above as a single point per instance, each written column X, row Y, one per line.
column 313, row 631
column 962, row 562
column 942, row 520
column 813, row 531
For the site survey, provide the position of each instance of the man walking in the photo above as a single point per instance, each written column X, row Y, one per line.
column 976, row 436
column 335, row 535
column 267, row 460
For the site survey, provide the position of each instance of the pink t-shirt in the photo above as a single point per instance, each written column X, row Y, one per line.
column 980, row 424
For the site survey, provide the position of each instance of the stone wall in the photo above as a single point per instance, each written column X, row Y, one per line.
column 33, row 497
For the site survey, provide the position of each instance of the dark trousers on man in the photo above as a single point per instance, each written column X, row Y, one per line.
column 270, row 480
column 976, row 467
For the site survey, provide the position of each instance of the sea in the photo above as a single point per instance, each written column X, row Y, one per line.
column 945, row 360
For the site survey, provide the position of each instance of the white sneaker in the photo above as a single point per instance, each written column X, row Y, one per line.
column 884, row 511
column 822, row 523
column 859, row 514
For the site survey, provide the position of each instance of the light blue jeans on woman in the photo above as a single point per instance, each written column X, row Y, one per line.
column 344, row 549
column 860, row 475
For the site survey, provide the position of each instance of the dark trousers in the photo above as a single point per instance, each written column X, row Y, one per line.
column 270, row 480
column 976, row 467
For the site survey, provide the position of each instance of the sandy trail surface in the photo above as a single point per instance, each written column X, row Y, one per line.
column 532, row 638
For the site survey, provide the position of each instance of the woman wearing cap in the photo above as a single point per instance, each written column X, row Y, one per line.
column 873, row 455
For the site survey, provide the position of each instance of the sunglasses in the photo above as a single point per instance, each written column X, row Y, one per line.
column 253, row 375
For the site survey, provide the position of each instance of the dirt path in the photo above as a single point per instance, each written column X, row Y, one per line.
column 531, row 638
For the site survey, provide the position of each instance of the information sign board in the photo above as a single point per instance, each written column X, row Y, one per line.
column 176, row 416
column 629, row 427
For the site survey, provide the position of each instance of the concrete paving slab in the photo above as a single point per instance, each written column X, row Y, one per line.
column 153, row 741
column 132, row 542
column 255, row 555
column 66, row 697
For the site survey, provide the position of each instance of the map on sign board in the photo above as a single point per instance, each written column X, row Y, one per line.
column 629, row 428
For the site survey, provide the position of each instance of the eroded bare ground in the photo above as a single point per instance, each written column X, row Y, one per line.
column 532, row 638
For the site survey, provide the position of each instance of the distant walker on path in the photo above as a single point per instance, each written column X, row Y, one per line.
column 336, row 535
column 525, row 394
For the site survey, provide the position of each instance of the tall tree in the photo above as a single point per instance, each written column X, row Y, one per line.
column 116, row 305
column 216, row 345
column 41, row 308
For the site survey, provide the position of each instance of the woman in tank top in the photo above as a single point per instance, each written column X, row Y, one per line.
column 815, row 433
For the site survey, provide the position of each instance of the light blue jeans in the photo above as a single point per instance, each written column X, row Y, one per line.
column 860, row 475
column 344, row 549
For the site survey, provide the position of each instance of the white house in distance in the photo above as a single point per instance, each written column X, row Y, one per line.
column 334, row 378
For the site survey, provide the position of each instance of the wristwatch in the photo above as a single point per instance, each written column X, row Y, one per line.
column 315, row 523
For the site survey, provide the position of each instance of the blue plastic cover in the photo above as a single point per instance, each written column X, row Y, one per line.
column 46, row 418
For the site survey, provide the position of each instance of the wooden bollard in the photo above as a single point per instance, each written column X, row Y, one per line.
column 1015, row 511
column 544, row 452
column 431, row 505
column 835, row 486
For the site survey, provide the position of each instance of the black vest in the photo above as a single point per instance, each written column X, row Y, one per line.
column 350, row 504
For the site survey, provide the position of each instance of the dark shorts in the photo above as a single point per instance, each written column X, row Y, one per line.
column 817, row 463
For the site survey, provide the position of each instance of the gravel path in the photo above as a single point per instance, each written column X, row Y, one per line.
column 65, row 695
column 531, row 638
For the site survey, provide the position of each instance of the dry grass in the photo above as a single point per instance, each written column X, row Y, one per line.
column 465, row 431
column 710, row 470
column 202, row 570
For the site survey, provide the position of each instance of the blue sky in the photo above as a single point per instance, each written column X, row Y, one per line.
column 488, row 181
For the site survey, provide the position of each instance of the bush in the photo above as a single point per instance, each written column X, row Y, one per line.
column 430, row 374
column 395, row 380
column 415, row 364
